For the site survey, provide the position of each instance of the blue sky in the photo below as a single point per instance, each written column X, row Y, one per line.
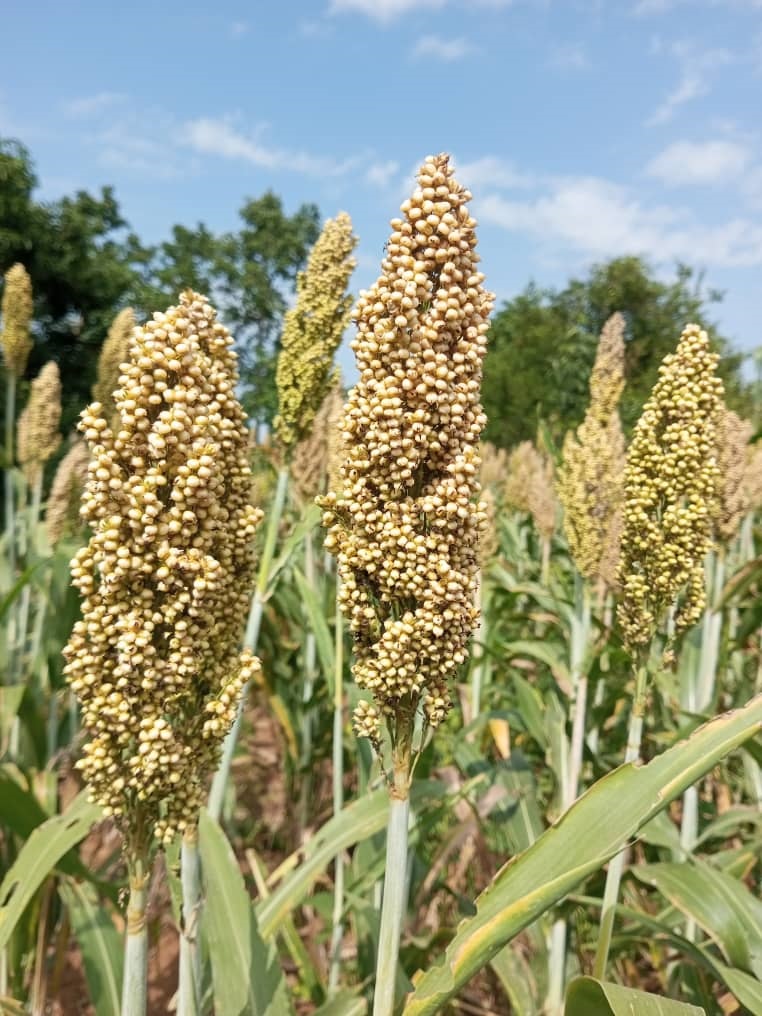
column 584, row 129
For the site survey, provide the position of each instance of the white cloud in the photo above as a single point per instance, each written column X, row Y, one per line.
column 380, row 174
column 696, row 69
column 92, row 105
column 219, row 137
column 570, row 56
column 238, row 29
column 383, row 10
column 448, row 50
column 490, row 171
column 644, row 8
column 689, row 162
column 602, row 219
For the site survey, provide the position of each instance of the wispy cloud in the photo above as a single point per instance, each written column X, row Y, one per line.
column 697, row 67
column 491, row 172
column 570, row 56
column 599, row 218
column 643, row 8
column 220, row 137
column 238, row 29
column 448, row 50
column 92, row 105
column 385, row 11
column 382, row 10
column 381, row 174
column 699, row 162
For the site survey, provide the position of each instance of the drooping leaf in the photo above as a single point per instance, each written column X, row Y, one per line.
column 100, row 944
column 586, row 996
column 720, row 904
column 248, row 980
column 598, row 825
column 38, row 857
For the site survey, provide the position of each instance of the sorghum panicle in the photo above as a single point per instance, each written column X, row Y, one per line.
column 590, row 478
column 494, row 470
column 37, row 434
column 670, row 493
column 112, row 355
column 529, row 486
column 166, row 576
column 315, row 454
column 733, row 436
column 62, row 509
column 752, row 480
column 312, row 331
column 17, row 309
column 404, row 522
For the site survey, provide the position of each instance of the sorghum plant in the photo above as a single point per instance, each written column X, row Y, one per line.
column 404, row 523
column 113, row 353
column 529, row 487
column 165, row 581
column 16, row 340
column 590, row 488
column 670, row 503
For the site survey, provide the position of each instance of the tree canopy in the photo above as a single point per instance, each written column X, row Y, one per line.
column 86, row 264
column 541, row 345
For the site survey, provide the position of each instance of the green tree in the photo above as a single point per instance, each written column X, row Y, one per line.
column 86, row 265
column 541, row 345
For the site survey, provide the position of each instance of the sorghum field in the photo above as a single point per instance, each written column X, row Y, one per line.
column 360, row 712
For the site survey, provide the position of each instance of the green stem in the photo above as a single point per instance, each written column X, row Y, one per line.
column 308, row 688
column 251, row 637
column 189, row 1000
column 478, row 656
column 26, row 593
column 135, row 982
column 337, row 932
column 395, row 893
column 545, row 560
column 580, row 636
column 616, row 865
column 10, row 422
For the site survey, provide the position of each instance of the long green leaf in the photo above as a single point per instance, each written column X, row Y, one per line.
column 353, row 824
column 588, row 997
column 718, row 903
column 40, row 854
column 343, row 1003
column 247, row 977
column 592, row 831
column 319, row 627
column 100, row 944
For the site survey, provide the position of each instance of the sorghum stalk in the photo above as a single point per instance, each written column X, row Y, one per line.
column 338, row 794
column 308, row 687
column 402, row 520
column 17, row 309
column 37, row 440
column 189, row 998
column 165, row 580
column 135, row 978
column 670, row 503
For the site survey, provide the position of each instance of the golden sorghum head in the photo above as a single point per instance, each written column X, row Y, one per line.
column 167, row 574
column 315, row 455
column 37, row 435
column 112, row 355
column 607, row 376
column 62, row 510
column 752, row 480
column 312, row 331
column 529, row 486
column 404, row 522
column 733, row 435
column 590, row 479
column 17, row 309
column 494, row 466
column 670, row 493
